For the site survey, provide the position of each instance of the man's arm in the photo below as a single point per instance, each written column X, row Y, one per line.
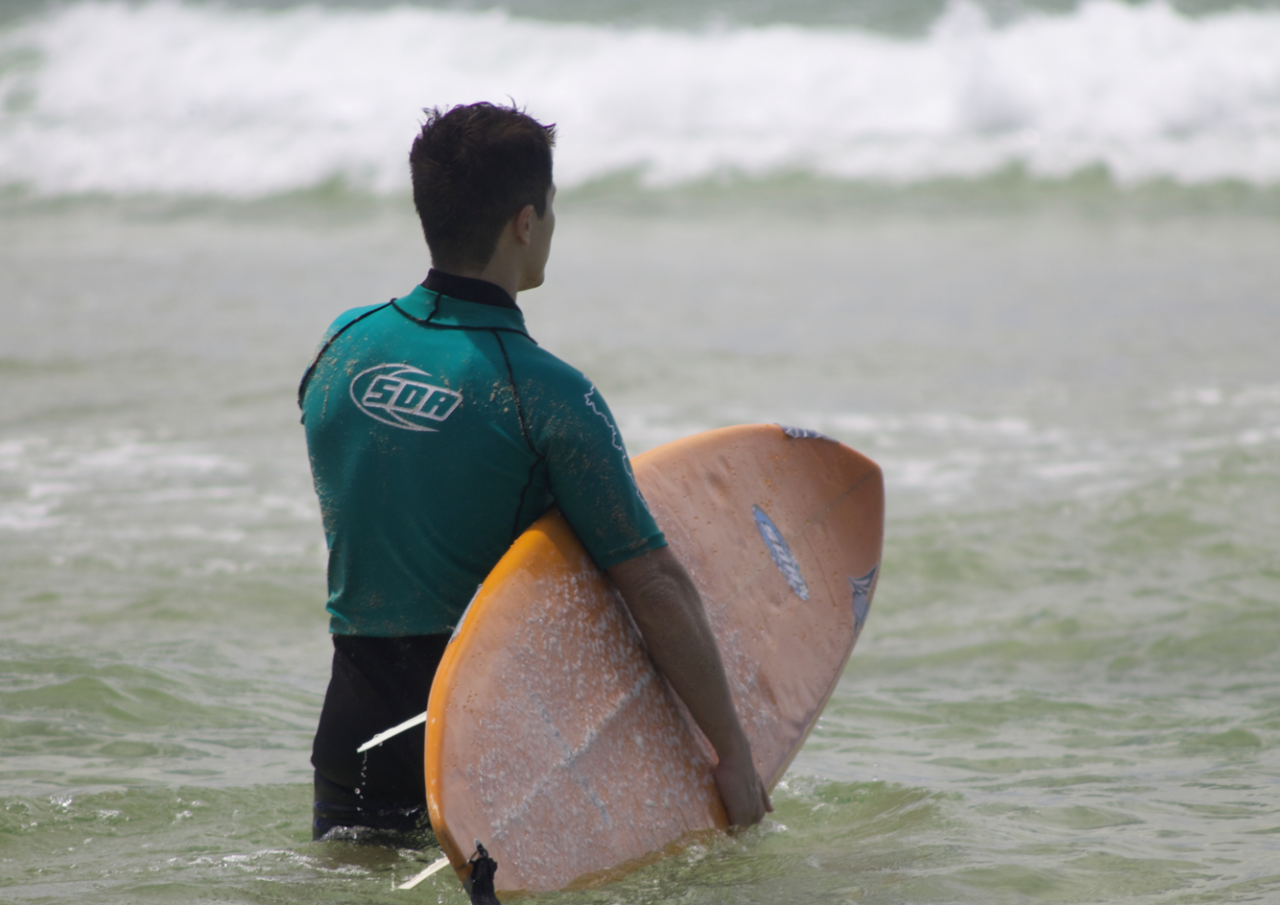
column 668, row 611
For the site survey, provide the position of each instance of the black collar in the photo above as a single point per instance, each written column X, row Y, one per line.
column 468, row 289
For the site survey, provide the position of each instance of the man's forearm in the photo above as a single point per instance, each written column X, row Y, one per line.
column 668, row 611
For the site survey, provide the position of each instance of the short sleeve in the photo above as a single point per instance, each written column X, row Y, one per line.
column 590, row 474
column 346, row 319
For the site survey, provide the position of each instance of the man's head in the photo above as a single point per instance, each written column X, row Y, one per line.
column 474, row 168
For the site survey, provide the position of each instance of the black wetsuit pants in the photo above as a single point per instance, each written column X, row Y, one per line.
column 377, row 683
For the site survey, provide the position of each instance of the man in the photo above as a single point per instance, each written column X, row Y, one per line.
column 438, row 431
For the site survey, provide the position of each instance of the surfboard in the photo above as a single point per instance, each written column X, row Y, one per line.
column 551, row 738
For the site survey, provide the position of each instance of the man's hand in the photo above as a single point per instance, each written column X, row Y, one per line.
column 745, row 798
column 668, row 611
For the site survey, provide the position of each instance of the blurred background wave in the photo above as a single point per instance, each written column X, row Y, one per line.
column 253, row 99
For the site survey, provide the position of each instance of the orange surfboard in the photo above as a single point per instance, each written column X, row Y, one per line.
column 552, row 739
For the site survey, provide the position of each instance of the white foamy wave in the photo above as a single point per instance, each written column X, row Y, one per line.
column 167, row 98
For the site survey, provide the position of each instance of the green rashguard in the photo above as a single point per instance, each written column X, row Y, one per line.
column 438, row 431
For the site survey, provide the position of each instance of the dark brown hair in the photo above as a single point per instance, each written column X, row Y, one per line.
column 474, row 167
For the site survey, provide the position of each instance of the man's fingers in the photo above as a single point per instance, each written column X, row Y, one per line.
column 750, row 805
column 745, row 797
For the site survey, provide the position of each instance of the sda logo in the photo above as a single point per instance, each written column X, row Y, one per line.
column 781, row 553
column 862, row 596
column 394, row 394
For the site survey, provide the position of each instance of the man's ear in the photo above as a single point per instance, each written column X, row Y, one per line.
column 524, row 225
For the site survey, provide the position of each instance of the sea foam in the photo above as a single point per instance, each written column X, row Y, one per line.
column 183, row 99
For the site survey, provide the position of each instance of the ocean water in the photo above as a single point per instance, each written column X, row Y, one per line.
column 1023, row 255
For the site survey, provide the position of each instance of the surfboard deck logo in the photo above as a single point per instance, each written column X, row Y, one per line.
column 803, row 433
column 861, row 588
column 397, row 394
column 781, row 553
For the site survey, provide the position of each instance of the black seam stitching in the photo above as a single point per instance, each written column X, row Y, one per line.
column 306, row 378
column 524, row 430
column 435, row 309
column 524, row 492
column 427, row 322
column 511, row 375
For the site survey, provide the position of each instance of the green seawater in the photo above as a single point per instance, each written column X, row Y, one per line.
column 1069, row 686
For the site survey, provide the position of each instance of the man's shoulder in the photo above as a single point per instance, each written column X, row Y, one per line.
column 532, row 362
column 349, row 317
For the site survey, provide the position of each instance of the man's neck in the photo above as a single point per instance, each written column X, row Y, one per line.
column 501, row 273
column 468, row 289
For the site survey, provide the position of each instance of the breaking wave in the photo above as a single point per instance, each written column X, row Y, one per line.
column 167, row 98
